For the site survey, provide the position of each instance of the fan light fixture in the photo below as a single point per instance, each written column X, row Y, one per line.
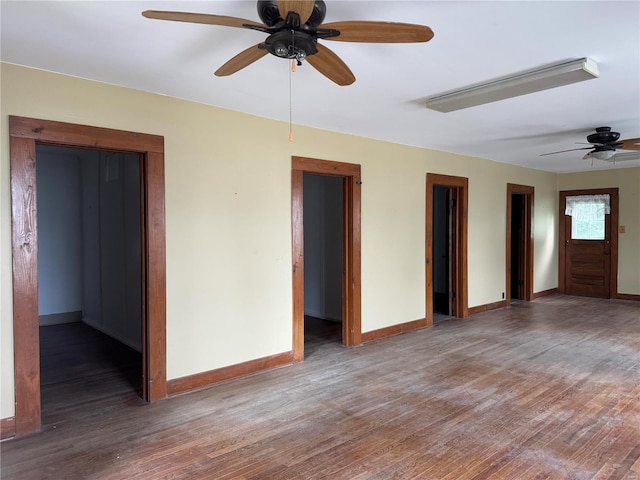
column 603, row 154
column 528, row 81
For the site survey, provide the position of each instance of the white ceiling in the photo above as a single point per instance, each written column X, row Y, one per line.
column 474, row 41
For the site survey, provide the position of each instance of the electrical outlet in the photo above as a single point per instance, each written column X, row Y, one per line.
column 623, row 229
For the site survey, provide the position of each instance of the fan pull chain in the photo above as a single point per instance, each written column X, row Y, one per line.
column 290, row 108
column 291, row 70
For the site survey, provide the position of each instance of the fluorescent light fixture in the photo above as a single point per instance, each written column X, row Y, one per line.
column 528, row 81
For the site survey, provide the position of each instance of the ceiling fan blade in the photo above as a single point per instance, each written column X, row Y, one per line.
column 201, row 18
column 570, row 150
column 331, row 66
column 304, row 8
column 379, row 32
column 630, row 144
column 243, row 59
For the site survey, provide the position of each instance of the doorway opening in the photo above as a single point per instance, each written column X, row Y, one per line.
column 444, row 252
column 334, row 252
column 323, row 262
column 25, row 135
column 588, row 248
column 446, row 247
column 89, row 275
column 519, row 243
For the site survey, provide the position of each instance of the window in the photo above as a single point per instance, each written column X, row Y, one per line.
column 587, row 216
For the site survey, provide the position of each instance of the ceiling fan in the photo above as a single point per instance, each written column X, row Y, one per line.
column 294, row 28
column 604, row 144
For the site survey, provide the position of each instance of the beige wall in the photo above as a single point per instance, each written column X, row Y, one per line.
column 228, row 194
column 627, row 180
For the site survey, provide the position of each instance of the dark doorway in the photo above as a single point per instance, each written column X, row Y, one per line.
column 519, row 243
column 444, row 251
column 348, row 175
column 446, row 247
column 517, row 246
column 323, row 260
column 89, row 274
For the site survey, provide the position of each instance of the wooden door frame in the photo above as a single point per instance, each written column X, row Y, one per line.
column 24, row 134
column 461, row 184
column 562, row 237
column 351, row 284
column 528, row 193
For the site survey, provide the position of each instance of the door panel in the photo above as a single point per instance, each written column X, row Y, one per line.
column 588, row 268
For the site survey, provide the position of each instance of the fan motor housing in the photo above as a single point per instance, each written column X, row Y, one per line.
column 603, row 136
column 270, row 14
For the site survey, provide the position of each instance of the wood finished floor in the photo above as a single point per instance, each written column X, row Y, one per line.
column 548, row 389
column 80, row 364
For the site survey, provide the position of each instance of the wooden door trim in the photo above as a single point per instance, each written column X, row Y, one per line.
column 351, row 288
column 24, row 134
column 562, row 238
column 528, row 193
column 461, row 184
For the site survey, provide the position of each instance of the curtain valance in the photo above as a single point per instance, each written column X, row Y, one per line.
column 604, row 200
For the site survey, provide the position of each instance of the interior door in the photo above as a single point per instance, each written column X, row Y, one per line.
column 588, row 230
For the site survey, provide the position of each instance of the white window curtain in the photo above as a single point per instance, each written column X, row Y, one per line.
column 601, row 200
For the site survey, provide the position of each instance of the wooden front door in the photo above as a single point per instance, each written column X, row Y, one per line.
column 588, row 234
